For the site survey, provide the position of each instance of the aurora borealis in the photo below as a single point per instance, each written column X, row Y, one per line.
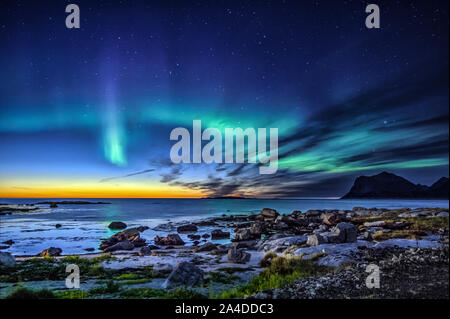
column 88, row 112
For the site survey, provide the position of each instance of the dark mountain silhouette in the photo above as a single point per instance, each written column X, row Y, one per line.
column 388, row 185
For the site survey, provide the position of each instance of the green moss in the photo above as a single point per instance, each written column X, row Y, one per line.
column 143, row 293
column 282, row 271
column 33, row 270
column 128, row 276
column 231, row 270
column 220, row 277
column 110, row 288
column 136, row 281
column 184, row 294
column 71, row 294
column 404, row 234
column 428, row 224
column 151, row 293
column 25, row 293
column 267, row 259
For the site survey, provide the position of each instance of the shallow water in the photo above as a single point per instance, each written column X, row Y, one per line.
column 83, row 226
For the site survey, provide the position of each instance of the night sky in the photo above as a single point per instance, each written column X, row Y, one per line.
column 88, row 112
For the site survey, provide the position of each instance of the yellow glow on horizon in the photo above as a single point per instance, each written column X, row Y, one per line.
column 86, row 189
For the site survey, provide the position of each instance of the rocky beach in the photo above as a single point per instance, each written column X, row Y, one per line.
column 313, row 254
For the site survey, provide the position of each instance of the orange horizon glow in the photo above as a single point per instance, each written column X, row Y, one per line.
column 56, row 189
column 132, row 193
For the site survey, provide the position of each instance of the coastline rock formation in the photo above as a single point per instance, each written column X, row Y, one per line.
column 390, row 186
column 184, row 274
column 170, row 240
column 51, row 252
column 117, row 225
column 131, row 236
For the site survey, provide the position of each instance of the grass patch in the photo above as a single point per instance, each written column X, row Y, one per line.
column 151, row 293
column 33, row 269
column 267, row 259
column 143, row 293
column 49, row 268
column 427, row 224
column 129, row 276
column 25, row 293
column 136, row 281
column 184, row 294
column 220, row 278
column 71, row 294
column 280, row 272
column 403, row 234
column 110, row 288
column 231, row 270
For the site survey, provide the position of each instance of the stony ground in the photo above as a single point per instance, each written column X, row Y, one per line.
column 316, row 254
column 404, row 273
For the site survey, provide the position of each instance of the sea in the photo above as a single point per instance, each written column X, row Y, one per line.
column 84, row 226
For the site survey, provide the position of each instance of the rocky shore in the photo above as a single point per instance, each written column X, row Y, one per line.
column 312, row 254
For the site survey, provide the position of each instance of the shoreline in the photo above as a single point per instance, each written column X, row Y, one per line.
column 323, row 241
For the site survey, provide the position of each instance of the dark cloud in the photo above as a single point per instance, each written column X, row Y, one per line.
column 174, row 174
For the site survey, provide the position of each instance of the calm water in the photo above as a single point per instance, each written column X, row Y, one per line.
column 83, row 226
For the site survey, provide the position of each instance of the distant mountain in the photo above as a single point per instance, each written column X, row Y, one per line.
column 388, row 185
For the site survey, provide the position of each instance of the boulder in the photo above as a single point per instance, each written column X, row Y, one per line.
column 312, row 213
column 187, row 228
column 194, row 237
column 238, row 256
column 51, row 252
column 243, row 234
column 269, row 213
column 145, row 251
column 379, row 223
column 330, row 219
column 7, row 260
column 206, row 235
column 132, row 235
column 142, row 228
column 281, row 225
column 123, row 245
column 184, row 274
column 58, row 226
column 219, row 234
column 316, row 239
column 250, row 244
column 117, row 225
column 171, row 239
column 276, row 243
column 8, row 242
column 206, row 247
column 297, row 214
column 256, row 229
column 140, row 242
column 344, row 233
column 288, row 220
column 53, row 205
